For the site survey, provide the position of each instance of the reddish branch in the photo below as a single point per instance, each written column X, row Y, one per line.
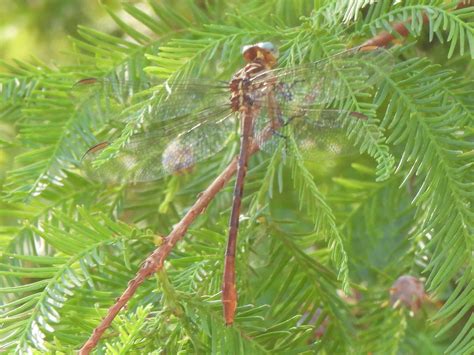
column 465, row 3
column 156, row 260
column 384, row 38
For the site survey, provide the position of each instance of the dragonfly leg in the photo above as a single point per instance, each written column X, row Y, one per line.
column 275, row 132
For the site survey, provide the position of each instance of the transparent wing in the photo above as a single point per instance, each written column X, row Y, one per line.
column 312, row 130
column 328, row 82
column 166, row 150
column 310, row 102
column 164, row 101
column 179, row 123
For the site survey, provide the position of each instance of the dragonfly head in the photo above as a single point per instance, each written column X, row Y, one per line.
column 264, row 52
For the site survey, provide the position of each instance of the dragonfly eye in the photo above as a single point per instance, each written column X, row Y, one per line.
column 269, row 47
column 264, row 51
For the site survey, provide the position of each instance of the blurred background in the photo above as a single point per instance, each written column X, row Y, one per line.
column 40, row 28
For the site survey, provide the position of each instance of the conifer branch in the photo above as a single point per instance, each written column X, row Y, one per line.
column 155, row 261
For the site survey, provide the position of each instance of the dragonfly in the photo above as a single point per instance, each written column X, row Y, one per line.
column 193, row 121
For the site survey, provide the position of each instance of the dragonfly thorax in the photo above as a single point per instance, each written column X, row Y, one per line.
column 245, row 92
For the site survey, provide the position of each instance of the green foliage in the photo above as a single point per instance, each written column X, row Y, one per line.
column 40, row 29
column 399, row 203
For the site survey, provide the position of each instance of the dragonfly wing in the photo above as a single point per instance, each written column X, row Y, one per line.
column 151, row 155
column 311, row 130
column 163, row 101
column 328, row 82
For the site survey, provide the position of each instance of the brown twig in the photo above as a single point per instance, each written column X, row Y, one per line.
column 156, row 260
column 465, row 3
column 384, row 38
